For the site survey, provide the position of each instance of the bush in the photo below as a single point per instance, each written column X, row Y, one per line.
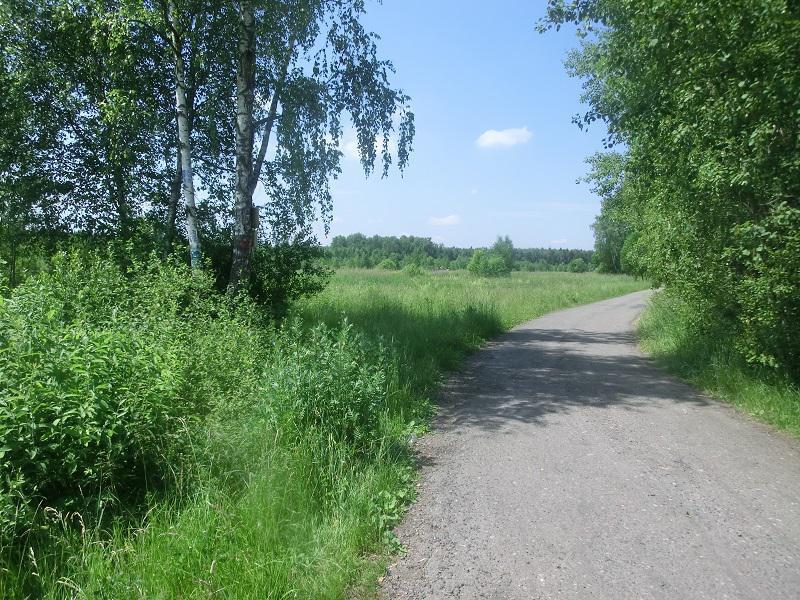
column 388, row 264
column 460, row 263
column 504, row 249
column 488, row 264
column 124, row 390
column 766, row 262
column 283, row 273
column 413, row 269
column 577, row 265
column 105, row 378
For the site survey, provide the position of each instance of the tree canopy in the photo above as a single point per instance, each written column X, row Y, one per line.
column 390, row 252
column 114, row 109
column 704, row 97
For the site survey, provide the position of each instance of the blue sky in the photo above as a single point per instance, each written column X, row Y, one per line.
column 475, row 69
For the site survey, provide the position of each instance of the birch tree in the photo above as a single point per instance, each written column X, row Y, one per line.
column 84, row 82
column 184, row 150
column 303, row 66
column 195, row 36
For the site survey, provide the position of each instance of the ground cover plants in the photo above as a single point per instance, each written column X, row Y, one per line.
column 160, row 439
column 707, row 357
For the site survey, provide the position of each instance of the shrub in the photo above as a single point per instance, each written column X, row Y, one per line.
column 460, row 263
column 504, row 248
column 766, row 262
column 282, row 273
column 413, row 269
column 105, row 378
column 578, row 265
column 488, row 264
column 388, row 264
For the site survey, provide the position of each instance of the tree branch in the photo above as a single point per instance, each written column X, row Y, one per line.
column 271, row 117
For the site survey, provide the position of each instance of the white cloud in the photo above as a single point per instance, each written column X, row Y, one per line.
column 504, row 138
column 349, row 145
column 444, row 221
column 350, row 149
column 560, row 242
column 474, row 192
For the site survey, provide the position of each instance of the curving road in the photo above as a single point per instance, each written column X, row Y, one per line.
column 564, row 465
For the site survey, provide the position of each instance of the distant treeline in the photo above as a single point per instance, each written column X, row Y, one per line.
column 390, row 252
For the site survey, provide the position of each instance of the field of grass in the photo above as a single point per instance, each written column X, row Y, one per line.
column 437, row 317
column 301, row 471
column 710, row 363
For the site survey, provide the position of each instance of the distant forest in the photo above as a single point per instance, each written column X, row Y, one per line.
column 389, row 252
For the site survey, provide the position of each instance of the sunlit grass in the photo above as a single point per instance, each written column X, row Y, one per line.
column 709, row 362
column 439, row 316
column 309, row 519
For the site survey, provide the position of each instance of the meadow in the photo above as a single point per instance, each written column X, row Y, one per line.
column 163, row 441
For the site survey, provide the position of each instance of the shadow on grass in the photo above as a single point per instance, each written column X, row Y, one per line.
column 425, row 336
column 706, row 357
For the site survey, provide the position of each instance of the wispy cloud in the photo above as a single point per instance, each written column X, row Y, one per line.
column 447, row 221
column 504, row 138
column 349, row 145
column 560, row 242
column 349, row 148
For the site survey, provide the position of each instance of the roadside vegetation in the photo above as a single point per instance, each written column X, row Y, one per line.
column 701, row 187
column 162, row 439
column 710, row 362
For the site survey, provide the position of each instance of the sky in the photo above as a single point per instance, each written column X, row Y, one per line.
column 495, row 151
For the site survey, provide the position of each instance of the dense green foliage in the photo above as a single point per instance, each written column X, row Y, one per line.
column 486, row 263
column 391, row 253
column 162, row 439
column 610, row 228
column 89, row 138
column 495, row 262
column 705, row 96
column 124, row 392
column 105, row 376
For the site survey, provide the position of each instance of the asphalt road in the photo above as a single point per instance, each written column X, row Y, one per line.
column 563, row 464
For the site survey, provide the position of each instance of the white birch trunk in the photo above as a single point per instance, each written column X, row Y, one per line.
column 184, row 139
column 245, row 96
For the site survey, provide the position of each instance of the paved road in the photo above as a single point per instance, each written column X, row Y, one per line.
column 564, row 465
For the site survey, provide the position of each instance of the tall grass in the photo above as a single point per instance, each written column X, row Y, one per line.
column 708, row 359
column 292, row 441
column 439, row 316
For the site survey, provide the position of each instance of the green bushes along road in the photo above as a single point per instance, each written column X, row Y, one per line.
column 161, row 439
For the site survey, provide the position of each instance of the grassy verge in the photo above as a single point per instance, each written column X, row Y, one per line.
column 710, row 363
column 292, row 442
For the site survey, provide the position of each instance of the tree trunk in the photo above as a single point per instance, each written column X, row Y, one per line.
column 184, row 142
column 174, row 197
column 245, row 87
column 12, row 260
column 248, row 171
column 121, row 201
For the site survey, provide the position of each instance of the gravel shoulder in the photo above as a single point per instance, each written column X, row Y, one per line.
column 564, row 465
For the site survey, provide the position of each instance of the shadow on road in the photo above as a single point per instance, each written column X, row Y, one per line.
column 530, row 374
